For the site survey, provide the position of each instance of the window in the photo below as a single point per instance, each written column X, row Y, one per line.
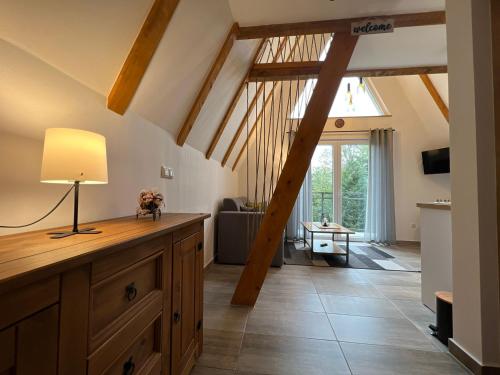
column 354, row 99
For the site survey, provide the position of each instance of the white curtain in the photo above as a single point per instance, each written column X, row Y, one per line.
column 302, row 210
column 380, row 214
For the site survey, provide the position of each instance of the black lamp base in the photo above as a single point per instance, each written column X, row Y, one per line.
column 56, row 235
column 76, row 230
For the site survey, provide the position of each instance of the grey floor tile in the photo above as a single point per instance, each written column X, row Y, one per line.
column 346, row 288
column 291, row 270
column 288, row 284
column 220, row 349
column 380, row 360
column 380, row 331
column 225, row 318
column 364, row 306
column 360, row 306
column 394, row 278
column 222, row 297
column 224, row 273
column 337, row 272
column 202, row 370
column 415, row 311
column 263, row 354
column 290, row 323
column 292, row 301
column 400, row 292
column 219, row 286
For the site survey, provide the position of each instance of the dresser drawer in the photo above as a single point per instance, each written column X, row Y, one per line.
column 126, row 257
column 114, row 300
column 138, row 357
column 21, row 303
column 139, row 340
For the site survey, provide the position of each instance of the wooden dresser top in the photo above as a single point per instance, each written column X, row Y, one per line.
column 30, row 252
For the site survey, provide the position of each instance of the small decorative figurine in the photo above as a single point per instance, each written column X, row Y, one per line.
column 150, row 203
column 324, row 220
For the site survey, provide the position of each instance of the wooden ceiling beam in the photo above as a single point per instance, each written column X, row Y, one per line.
column 140, row 55
column 310, row 69
column 338, row 25
column 207, row 85
column 435, row 96
column 295, row 168
column 232, row 105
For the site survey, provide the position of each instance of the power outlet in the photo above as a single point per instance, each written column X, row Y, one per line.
column 166, row 172
column 413, row 226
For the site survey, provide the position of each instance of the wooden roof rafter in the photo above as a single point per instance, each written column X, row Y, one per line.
column 207, row 85
column 338, row 25
column 232, row 105
column 310, row 69
column 140, row 55
column 267, row 100
column 250, row 108
column 435, row 95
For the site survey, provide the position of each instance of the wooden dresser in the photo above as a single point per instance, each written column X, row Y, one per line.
column 126, row 301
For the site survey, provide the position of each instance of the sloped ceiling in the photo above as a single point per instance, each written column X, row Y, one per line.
column 423, row 103
column 262, row 12
column 89, row 41
column 440, row 81
column 219, row 99
column 182, row 61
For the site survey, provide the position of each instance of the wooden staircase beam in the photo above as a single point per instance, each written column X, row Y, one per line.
column 232, row 106
column 310, row 69
column 295, row 168
column 435, row 96
column 338, row 25
column 140, row 55
column 207, row 85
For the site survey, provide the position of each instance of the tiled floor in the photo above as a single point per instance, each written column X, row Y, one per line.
column 311, row 320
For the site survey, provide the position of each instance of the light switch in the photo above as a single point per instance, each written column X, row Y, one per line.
column 167, row 172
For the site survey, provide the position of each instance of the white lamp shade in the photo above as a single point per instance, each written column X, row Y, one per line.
column 71, row 155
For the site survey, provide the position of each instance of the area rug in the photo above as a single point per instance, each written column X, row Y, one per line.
column 363, row 255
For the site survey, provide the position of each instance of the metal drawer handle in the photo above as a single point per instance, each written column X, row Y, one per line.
column 131, row 291
column 177, row 316
column 129, row 367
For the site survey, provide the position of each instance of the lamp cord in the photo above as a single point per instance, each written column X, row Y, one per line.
column 43, row 217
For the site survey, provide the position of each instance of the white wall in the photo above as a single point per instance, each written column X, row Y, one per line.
column 476, row 326
column 182, row 60
column 413, row 135
column 35, row 96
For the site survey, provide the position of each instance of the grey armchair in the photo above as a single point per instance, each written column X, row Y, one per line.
column 236, row 229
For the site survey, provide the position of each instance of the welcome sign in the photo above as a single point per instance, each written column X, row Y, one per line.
column 373, row 26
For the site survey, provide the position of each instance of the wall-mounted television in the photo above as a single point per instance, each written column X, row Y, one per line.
column 436, row 161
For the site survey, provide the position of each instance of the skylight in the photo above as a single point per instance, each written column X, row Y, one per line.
column 354, row 99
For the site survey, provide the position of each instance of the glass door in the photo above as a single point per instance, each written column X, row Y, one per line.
column 339, row 184
column 322, row 182
column 353, row 187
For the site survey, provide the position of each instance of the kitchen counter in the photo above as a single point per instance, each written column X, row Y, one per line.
column 436, row 250
column 435, row 205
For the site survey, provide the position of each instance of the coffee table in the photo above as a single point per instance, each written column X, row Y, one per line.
column 325, row 246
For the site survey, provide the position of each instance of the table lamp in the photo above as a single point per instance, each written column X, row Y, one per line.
column 72, row 156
